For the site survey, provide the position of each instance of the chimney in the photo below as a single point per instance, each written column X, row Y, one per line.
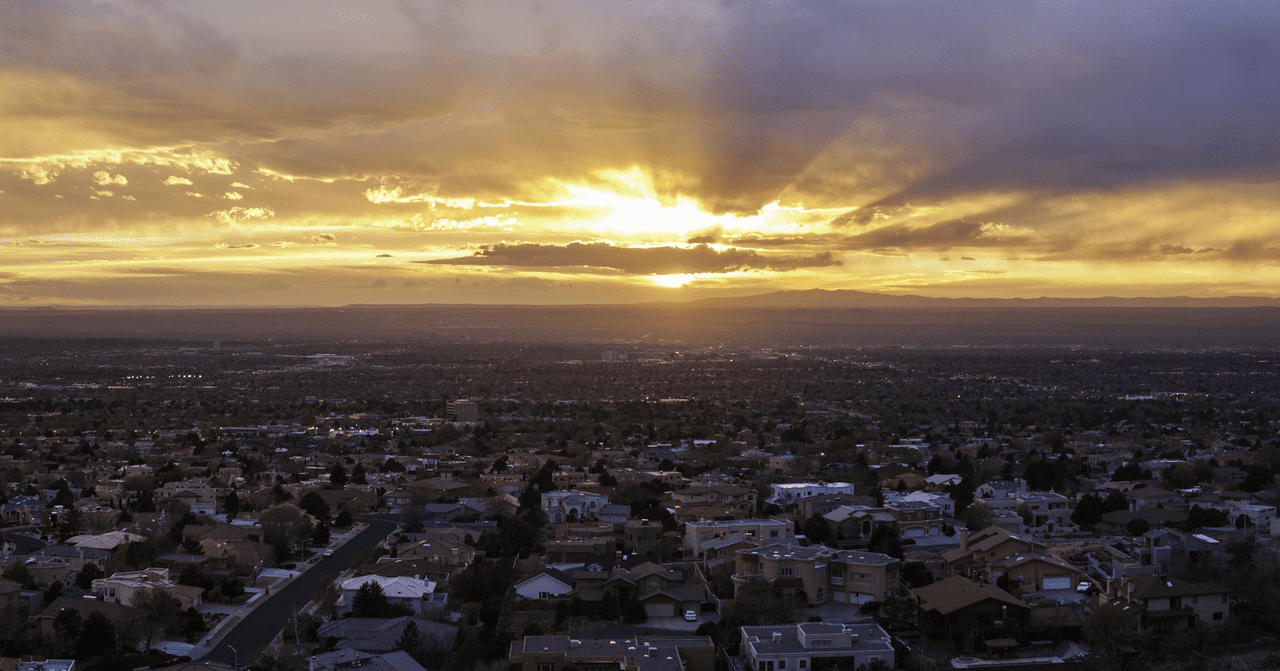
column 777, row 637
column 964, row 538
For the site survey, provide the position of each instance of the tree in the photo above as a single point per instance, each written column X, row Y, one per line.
column 885, row 541
column 358, row 476
column 343, row 520
column 231, row 588
column 338, row 475
column 54, row 591
column 86, row 575
column 978, row 516
column 97, row 636
column 283, row 524
column 67, row 628
column 757, row 604
column 231, row 505
column 410, row 639
column 1138, row 526
column 1088, row 511
column 369, row 601
column 18, row 572
column 320, row 537
column 159, row 610
column 608, row 607
column 816, row 529
column 315, row 505
column 326, row 594
column 916, row 574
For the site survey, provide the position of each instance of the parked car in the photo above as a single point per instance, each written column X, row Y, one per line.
column 691, row 616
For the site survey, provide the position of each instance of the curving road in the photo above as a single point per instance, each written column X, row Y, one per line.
column 25, row 544
column 263, row 623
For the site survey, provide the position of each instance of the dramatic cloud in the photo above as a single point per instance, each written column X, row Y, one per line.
column 813, row 143
column 638, row 260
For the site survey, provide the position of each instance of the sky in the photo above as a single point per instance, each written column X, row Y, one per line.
column 317, row 152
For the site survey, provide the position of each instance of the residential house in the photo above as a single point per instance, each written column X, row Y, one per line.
column 561, row 507
column 1170, row 605
column 817, row 574
column 698, row 535
column 343, row 660
column 741, row 498
column 127, row 619
column 547, row 584
column 1033, row 572
column 128, row 587
column 978, row 551
column 380, row 634
column 561, row 653
column 642, row 537
column 417, row 593
column 956, row 603
column 786, row 493
column 815, row 645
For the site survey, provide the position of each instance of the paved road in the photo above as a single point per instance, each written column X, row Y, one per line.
column 25, row 544
column 263, row 623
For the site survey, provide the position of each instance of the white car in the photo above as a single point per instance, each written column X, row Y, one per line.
column 327, row 553
column 1084, row 586
column 691, row 616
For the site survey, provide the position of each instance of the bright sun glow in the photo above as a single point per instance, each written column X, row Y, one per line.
column 673, row 281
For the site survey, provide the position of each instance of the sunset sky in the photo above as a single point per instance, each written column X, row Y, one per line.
column 315, row 152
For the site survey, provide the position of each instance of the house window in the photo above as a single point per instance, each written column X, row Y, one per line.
column 765, row 665
column 773, row 534
column 804, row 664
column 544, row 595
column 820, row 571
column 546, row 667
column 1217, row 617
column 787, row 571
column 782, row 665
column 818, row 596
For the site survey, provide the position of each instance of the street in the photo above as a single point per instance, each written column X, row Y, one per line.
column 261, row 624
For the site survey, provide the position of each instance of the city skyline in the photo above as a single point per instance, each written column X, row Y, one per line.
column 187, row 153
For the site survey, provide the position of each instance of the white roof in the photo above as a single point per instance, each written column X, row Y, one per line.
column 402, row 587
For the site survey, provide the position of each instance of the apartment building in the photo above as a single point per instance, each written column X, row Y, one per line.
column 817, row 574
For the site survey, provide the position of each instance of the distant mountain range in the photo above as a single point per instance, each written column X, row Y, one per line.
column 845, row 298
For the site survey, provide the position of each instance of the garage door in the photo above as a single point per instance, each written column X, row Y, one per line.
column 914, row 532
column 660, row 609
column 855, row 597
column 1057, row 583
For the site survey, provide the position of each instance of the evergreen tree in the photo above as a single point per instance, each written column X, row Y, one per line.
column 97, row 636
column 338, row 475
column 231, row 505
column 315, row 505
column 369, row 601
column 410, row 639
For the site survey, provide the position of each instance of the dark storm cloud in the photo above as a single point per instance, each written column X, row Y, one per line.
column 637, row 260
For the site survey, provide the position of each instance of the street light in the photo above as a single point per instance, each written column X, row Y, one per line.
column 304, row 550
column 236, row 658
